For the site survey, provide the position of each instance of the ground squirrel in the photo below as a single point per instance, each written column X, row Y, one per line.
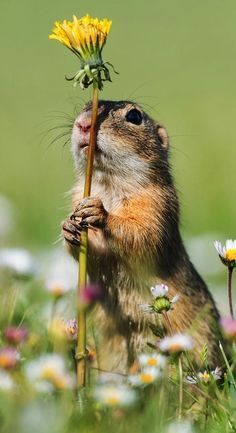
column 134, row 238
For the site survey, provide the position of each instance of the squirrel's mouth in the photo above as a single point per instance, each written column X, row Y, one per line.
column 84, row 146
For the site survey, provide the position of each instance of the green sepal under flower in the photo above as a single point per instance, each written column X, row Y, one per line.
column 161, row 304
column 89, row 74
column 161, row 301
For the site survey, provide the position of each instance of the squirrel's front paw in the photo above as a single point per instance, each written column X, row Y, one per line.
column 91, row 212
column 71, row 231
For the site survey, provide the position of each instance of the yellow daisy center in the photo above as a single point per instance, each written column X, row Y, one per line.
column 49, row 374
column 231, row 254
column 146, row 378
column 175, row 347
column 205, row 377
column 57, row 290
column 113, row 400
column 152, row 362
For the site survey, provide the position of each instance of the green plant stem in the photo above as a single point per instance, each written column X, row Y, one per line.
column 81, row 342
column 227, row 365
column 180, row 389
column 230, row 273
column 167, row 319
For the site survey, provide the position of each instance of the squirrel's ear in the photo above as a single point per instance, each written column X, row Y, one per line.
column 163, row 136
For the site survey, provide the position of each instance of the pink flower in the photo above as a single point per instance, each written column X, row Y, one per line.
column 9, row 357
column 15, row 335
column 229, row 327
column 90, row 295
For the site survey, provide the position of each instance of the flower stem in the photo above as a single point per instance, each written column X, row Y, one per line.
column 227, row 365
column 180, row 389
column 167, row 319
column 230, row 273
column 81, row 342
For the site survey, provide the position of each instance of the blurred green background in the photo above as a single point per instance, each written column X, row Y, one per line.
column 177, row 58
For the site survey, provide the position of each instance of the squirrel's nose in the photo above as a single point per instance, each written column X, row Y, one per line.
column 83, row 123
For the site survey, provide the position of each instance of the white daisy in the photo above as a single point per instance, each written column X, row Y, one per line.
column 59, row 271
column 145, row 377
column 48, row 373
column 152, row 360
column 176, row 343
column 17, row 260
column 227, row 252
column 6, row 381
column 114, row 395
column 57, row 288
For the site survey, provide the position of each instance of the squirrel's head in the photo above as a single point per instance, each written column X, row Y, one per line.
column 128, row 142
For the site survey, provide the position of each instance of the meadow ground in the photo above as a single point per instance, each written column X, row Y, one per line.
column 164, row 393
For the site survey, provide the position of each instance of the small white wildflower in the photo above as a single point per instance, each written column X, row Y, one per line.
column 6, row 381
column 176, row 343
column 48, row 373
column 145, row 377
column 57, row 288
column 159, row 290
column 71, row 329
column 17, row 260
column 217, row 373
column 152, row 360
column 161, row 300
column 58, row 269
column 227, row 252
column 184, row 426
column 112, row 395
column 205, row 377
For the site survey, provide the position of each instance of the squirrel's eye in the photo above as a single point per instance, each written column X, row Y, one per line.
column 134, row 116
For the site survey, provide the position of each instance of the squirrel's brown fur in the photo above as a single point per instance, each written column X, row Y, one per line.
column 134, row 238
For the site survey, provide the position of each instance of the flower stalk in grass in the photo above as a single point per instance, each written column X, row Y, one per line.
column 175, row 346
column 161, row 303
column 180, row 408
column 229, row 281
column 227, row 254
column 85, row 37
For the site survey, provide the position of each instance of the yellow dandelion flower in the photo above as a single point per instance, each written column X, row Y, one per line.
column 85, row 37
